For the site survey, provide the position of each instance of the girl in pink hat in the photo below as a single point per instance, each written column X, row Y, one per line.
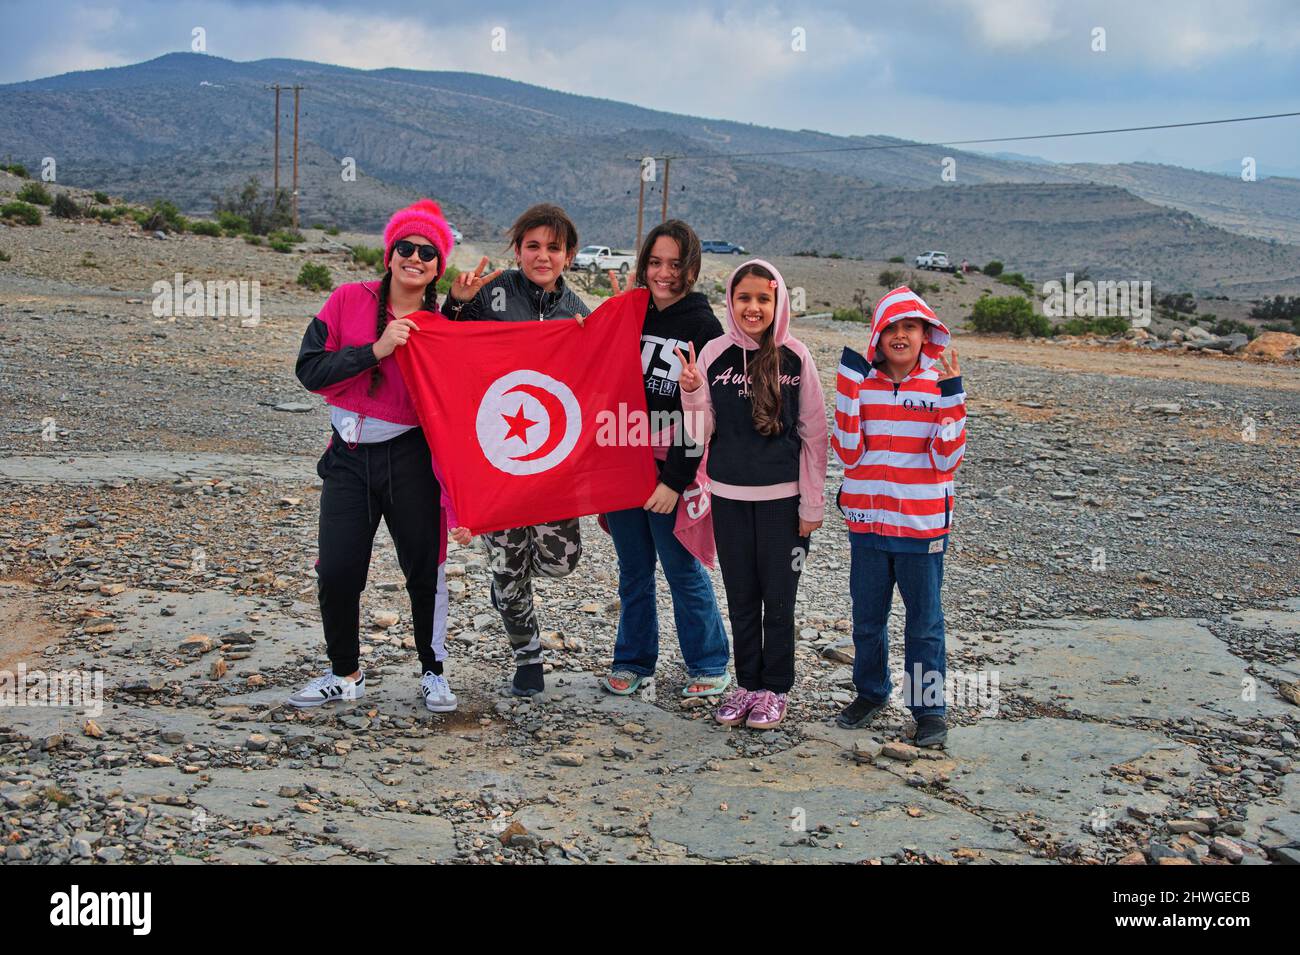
column 377, row 461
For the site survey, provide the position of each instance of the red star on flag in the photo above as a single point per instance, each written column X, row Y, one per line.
column 519, row 425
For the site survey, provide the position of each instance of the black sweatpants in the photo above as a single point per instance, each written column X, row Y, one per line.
column 761, row 556
column 393, row 479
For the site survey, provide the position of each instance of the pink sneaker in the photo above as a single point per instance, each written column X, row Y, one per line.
column 767, row 711
column 735, row 707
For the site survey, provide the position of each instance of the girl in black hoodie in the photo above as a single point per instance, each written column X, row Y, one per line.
column 676, row 317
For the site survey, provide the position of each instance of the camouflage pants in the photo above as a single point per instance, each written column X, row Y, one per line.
column 515, row 556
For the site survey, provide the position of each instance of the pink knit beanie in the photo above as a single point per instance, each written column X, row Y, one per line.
column 422, row 218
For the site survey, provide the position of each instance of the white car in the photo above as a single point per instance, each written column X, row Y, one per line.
column 600, row 258
column 933, row 260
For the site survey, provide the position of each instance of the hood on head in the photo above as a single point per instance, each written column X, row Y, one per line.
column 781, row 314
column 903, row 303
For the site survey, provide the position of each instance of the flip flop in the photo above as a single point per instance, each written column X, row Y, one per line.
column 717, row 685
column 633, row 681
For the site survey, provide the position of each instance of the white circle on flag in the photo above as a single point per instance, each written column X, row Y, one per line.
column 528, row 422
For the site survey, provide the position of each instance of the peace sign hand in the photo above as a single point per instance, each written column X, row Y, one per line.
column 613, row 281
column 690, row 377
column 468, row 284
column 950, row 368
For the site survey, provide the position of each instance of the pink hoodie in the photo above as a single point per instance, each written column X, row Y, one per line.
column 811, row 425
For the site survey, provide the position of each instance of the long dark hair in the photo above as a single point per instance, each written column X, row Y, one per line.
column 429, row 303
column 688, row 250
column 765, row 369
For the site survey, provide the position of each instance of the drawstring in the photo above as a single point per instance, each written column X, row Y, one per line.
column 744, row 354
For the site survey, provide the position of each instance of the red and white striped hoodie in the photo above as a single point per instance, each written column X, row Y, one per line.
column 900, row 442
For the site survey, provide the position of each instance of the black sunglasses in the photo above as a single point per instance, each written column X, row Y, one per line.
column 405, row 249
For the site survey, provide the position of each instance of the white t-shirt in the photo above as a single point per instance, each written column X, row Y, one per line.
column 359, row 429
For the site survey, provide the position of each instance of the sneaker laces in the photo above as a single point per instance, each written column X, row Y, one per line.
column 434, row 684
column 767, row 705
column 321, row 682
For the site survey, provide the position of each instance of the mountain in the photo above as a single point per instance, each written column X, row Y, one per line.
column 187, row 126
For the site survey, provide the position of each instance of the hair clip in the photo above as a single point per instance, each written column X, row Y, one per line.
column 772, row 283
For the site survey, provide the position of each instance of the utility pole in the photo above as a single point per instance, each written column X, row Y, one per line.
column 297, row 90
column 663, row 217
column 277, row 87
column 640, row 207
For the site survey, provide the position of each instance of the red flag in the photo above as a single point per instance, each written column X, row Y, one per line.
column 512, row 412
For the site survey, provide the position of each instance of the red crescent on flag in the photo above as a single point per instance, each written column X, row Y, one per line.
column 554, row 413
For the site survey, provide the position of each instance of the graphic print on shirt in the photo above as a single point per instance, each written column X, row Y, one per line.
column 659, row 364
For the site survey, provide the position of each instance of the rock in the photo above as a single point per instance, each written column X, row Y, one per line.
column 295, row 407
column 1272, row 345
column 92, row 729
column 17, row 854
column 384, row 619
column 1194, row 333
column 1226, row 849
column 158, row 759
column 110, row 854
column 515, row 828
column 197, row 644
column 1187, row 825
column 256, row 743
column 1133, row 858
column 144, row 686
column 1289, row 692
column 865, row 751
column 217, row 668
column 840, row 652
column 904, row 752
column 111, row 590
column 567, row 759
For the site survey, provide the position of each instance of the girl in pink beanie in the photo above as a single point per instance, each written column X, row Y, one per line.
column 377, row 463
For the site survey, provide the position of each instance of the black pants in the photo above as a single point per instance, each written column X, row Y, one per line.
column 761, row 556
column 393, row 479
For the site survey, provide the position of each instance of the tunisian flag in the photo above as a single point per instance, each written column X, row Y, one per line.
column 512, row 410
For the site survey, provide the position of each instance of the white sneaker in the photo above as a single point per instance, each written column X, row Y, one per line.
column 437, row 694
column 329, row 689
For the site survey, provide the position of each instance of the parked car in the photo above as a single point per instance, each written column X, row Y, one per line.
column 718, row 247
column 455, row 234
column 601, row 258
column 938, row 261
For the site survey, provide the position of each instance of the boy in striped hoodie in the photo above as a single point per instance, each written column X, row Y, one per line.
column 900, row 429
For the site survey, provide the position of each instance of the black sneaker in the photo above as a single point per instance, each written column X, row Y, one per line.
column 858, row 713
column 528, row 680
column 931, row 732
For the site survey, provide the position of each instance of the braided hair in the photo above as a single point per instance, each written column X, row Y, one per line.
column 765, row 369
column 429, row 303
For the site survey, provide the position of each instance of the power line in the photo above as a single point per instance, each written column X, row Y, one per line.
column 972, row 142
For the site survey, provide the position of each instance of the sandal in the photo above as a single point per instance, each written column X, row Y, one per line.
column 713, row 686
column 633, row 681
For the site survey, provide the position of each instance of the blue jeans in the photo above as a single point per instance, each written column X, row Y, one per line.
column 639, row 536
column 872, row 575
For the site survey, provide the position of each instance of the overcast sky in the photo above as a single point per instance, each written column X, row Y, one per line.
column 931, row 70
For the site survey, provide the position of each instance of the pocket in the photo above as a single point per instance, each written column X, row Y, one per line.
column 322, row 466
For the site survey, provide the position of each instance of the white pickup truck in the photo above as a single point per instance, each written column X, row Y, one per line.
column 934, row 260
column 601, row 258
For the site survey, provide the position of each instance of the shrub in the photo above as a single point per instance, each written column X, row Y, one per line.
column 205, row 227
column 994, row 268
column 849, row 315
column 280, row 245
column 370, row 256
column 444, row 283
column 35, row 193
column 1231, row 326
column 253, row 239
column 1016, row 280
column 1278, row 309
column 17, row 169
column 1008, row 315
column 897, row 258
column 231, row 222
column 889, row 278
column 24, row 213
column 162, row 216
column 312, row 275
column 1108, row 326
column 332, row 230
column 292, row 236
column 65, row 207
column 102, row 198
column 4, row 256
column 808, row 254
column 835, row 255
column 263, row 209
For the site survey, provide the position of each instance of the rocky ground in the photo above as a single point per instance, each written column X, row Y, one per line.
column 1121, row 587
